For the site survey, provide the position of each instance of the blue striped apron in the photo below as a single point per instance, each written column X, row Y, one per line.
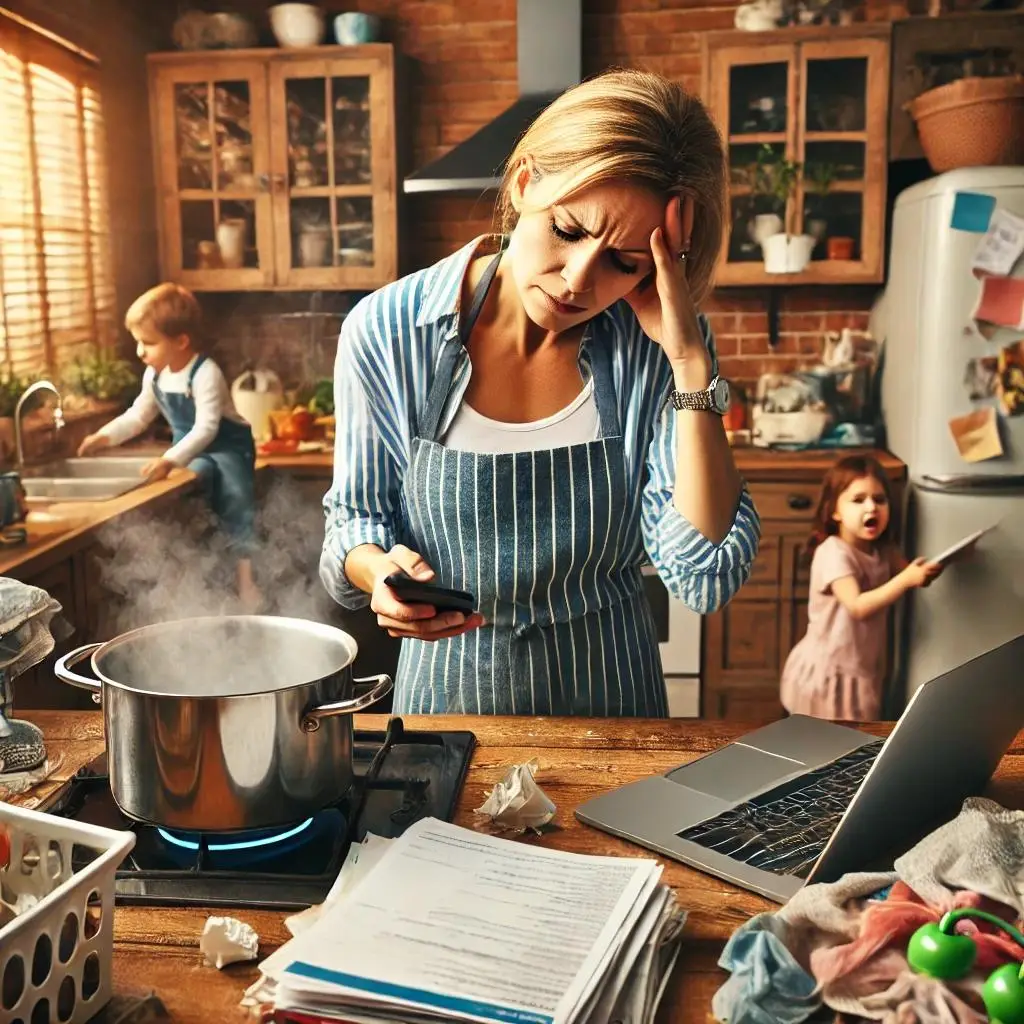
column 536, row 536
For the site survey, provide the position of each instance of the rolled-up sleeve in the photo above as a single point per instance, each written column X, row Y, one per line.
column 362, row 505
column 702, row 574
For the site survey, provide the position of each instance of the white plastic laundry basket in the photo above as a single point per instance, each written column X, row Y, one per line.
column 55, row 958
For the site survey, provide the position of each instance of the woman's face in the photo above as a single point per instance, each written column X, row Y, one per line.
column 577, row 258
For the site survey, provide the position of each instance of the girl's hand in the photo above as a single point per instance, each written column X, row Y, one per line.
column 920, row 572
column 421, row 621
column 665, row 308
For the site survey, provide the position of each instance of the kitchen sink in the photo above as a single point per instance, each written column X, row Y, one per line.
column 43, row 488
column 89, row 479
column 100, row 467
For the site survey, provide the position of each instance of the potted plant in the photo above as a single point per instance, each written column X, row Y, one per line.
column 100, row 377
column 784, row 253
column 12, row 388
column 760, row 177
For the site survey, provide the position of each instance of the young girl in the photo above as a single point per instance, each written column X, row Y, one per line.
column 210, row 437
column 857, row 573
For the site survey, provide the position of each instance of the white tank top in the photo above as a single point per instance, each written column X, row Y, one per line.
column 577, row 423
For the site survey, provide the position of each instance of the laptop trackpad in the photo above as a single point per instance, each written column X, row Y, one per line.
column 735, row 772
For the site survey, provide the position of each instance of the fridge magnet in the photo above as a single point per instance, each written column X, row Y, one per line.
column 1010, row 384
column 981, row 378
column 976, row 435
column 1002, row 245
column 972, row 211
column 1000, row 304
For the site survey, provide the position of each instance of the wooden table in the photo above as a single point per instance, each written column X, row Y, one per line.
column 157, row 948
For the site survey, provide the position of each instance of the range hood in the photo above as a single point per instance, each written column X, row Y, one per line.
column 549, row 40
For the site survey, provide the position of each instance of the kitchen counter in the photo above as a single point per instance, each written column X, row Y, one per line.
column 156, row 949
column 760, row 464
column 56, row 528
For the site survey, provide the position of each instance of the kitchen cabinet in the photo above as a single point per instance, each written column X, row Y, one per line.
column 818, row 97
column 275, row 169
column 745, row 644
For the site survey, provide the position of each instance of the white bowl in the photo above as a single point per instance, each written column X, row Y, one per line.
column 297, row 25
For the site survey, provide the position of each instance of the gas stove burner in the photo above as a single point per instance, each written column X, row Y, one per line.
column 254, row 840
column 401, row 775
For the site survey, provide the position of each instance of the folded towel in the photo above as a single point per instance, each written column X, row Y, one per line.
column 27, row 625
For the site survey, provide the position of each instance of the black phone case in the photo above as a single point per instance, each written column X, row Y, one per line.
column 411, row 591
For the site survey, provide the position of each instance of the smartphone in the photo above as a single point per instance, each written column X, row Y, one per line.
column 443, row 599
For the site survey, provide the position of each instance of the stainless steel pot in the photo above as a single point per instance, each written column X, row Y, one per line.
column 226, row 723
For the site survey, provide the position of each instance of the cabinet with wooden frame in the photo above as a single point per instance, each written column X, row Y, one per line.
column 275, row 169
column 818, row 97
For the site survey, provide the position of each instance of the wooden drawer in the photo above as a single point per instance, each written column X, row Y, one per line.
column 793, row 502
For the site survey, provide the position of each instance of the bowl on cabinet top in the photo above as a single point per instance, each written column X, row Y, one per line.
column 297, row 25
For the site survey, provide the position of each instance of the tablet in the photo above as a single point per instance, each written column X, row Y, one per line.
column 953, row 550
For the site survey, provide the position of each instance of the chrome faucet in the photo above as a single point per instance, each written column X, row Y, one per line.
column 58, row 415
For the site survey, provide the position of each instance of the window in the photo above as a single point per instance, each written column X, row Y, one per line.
column 56, row 276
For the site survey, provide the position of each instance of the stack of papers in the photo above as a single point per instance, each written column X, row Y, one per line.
column 446, row 924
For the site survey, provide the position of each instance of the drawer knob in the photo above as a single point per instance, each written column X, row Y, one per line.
column 799, row 502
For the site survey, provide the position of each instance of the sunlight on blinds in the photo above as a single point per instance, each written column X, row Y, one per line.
column 55, row 252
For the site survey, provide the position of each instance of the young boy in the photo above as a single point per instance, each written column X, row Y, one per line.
column 190, row 391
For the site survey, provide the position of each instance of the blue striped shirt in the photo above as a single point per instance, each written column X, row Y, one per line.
column 388, row 353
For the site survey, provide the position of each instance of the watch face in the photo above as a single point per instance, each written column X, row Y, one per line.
column 721, row 395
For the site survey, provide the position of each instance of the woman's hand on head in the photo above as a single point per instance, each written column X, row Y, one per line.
column 664, row 306
column 421, row 621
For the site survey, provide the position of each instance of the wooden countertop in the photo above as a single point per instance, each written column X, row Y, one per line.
column 156, row 949
column 766, row 465
column 56, row 528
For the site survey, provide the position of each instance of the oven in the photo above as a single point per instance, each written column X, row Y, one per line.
column 679, row 639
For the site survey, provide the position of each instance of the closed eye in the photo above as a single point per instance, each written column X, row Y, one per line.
column 613, row 257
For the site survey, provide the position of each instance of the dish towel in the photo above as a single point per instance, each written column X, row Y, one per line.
column 28, row 617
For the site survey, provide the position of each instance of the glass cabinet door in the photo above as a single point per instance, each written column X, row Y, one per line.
column 332, row 168
column 842, row 150
column 753, row 92
column 214, row 175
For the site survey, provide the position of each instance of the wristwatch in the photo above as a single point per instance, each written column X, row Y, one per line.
column 713, row 398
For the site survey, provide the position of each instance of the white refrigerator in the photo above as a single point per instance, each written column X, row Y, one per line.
column 928, row 302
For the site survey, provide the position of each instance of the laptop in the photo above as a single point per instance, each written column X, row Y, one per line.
column 805, row 800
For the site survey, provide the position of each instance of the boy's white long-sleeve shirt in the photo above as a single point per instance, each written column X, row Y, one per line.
column 212, row 400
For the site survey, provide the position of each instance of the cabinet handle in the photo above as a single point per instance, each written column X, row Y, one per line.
column 798, row 502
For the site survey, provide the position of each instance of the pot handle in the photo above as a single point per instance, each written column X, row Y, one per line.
column 62, row 670
column 381, row 686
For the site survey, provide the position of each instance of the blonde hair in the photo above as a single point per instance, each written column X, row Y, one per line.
column 634, row 127
column 170, row 309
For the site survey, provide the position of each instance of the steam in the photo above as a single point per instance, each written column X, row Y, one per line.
column 159, row 566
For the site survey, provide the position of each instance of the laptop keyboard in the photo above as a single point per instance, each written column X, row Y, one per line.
column 785, row 829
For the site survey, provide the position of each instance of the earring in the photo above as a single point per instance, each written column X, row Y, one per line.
column 937, row 951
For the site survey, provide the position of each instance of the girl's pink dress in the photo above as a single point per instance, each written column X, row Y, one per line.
column 835, row 671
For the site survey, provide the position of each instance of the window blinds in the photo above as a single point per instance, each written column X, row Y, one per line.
column 56, row 275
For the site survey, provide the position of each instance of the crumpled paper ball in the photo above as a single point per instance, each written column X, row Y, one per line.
column 517, row 803
column 226, row 940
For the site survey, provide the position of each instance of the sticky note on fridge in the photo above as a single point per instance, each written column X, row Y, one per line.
column 976, row 435
column 972, row 211
column 1000, row 304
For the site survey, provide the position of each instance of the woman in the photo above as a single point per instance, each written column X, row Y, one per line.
column 534, row 416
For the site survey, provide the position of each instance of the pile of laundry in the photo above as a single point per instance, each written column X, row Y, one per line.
column 841, row 948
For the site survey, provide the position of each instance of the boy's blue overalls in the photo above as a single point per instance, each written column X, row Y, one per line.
column 226, row 468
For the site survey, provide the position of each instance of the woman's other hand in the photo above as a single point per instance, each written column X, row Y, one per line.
column 664, row 308
column 421, row 621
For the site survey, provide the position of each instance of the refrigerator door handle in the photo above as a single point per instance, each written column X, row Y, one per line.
column 981, row 482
